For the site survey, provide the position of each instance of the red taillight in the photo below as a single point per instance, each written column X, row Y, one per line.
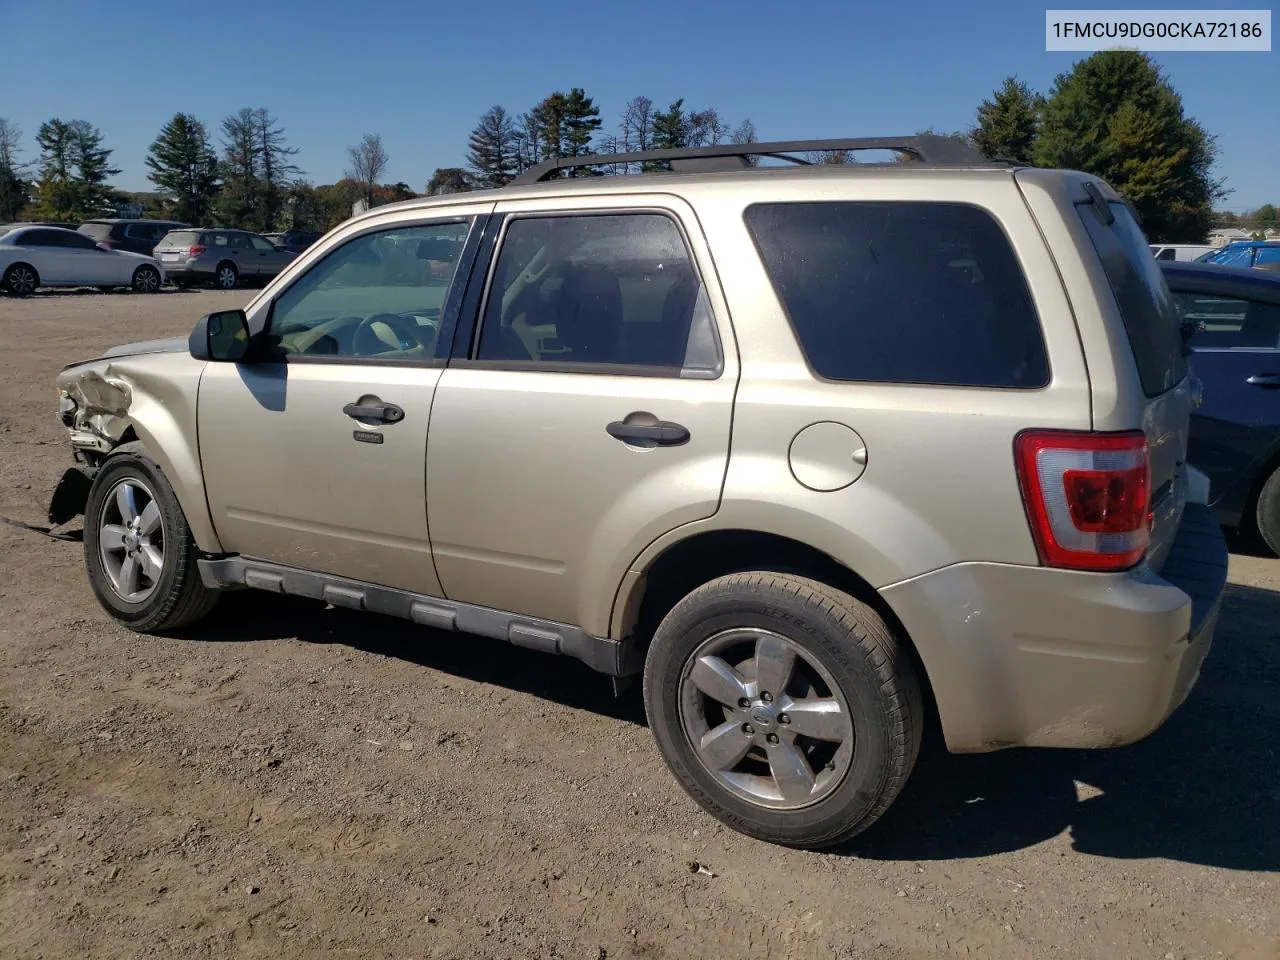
column 195, row 252
column 1088, row 497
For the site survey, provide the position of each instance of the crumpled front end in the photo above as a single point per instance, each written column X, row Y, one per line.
column 146, row 399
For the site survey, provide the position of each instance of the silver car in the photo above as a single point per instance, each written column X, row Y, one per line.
column 221, row 257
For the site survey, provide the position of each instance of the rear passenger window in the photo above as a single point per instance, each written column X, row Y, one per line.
column 902, row 292
column 608, row 290
column 1230, row 323
column 1146, row 305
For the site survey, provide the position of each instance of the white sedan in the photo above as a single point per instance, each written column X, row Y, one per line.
column 33, row 257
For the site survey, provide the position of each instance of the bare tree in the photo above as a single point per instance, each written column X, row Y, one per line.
column 369, row 161
column 13, row 188
column 637, row 126
column 706, row 129
column 746, row 133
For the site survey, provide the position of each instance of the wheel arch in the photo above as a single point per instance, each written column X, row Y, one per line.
column 648, row 594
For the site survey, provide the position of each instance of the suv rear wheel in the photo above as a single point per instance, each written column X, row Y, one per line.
column 138, row 549
column 785, row 707
column 1268, row 512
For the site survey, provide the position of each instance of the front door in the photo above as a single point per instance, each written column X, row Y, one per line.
column 590, row 416
column 1237, row 356
column 315, row 458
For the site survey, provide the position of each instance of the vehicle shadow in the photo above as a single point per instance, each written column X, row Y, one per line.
column 1204, row 789
column 252, row 615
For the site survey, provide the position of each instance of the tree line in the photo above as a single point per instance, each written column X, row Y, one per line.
column 1114, row 114
column 248, row 179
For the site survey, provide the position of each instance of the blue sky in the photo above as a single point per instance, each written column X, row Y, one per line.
column 420, row 74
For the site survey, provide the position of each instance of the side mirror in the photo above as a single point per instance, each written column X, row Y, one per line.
column 221, row 337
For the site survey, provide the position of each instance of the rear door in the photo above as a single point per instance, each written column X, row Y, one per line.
column 268, row 259
column 589, row 414
column 1237, row 355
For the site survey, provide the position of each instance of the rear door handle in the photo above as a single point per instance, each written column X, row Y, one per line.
column 385, row 412
column 664, row 433
column 1268, row 381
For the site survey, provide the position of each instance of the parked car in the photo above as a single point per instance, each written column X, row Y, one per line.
column 136, row 236
column 1235, row 435
column 32, row 257
column 295, row 241
column 6, row 227
column 221, row 257
column 1245, row 253
column 1181, row 251
column 805, row 449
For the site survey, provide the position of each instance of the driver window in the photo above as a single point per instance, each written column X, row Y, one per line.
column 378, row 296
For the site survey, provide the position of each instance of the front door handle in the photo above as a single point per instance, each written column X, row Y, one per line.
column 664, row 433
column 1268, row 381
column 385, row 412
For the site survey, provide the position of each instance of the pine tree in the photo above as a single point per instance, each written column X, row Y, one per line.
column 183, row 163
column 1008, row 122
column 581, row 123
column 492, row 155
column 1116, row 115
column 670, row 127
column 278, row 170
column 241, row 169
column 74, row 168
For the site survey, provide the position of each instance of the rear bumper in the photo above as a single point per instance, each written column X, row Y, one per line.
column 1030, row 656
column 183, row 271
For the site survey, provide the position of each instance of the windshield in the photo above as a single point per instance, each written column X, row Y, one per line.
column 1232, row 257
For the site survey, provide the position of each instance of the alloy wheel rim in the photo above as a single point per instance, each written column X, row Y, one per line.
column 131, row 540
column 766, row 719
column 227, row 277
column 22, row 280
column 148, row 280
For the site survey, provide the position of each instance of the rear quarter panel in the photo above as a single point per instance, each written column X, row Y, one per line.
column 940, row 486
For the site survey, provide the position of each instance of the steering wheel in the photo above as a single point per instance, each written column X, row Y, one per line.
column 366, row 341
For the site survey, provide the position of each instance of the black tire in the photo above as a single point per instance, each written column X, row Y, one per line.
column 146, row 279
column 20, row 280
column 178, row 597
column 1267, row 514
column 851, row 642
column 226, row 276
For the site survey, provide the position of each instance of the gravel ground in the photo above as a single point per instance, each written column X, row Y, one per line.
column 288, row 780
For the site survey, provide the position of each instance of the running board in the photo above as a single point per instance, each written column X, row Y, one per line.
column 546, row 636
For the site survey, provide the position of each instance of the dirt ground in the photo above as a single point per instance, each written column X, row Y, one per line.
column 294, row 781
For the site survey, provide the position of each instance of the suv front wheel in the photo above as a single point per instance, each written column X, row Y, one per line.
column 784, row 707
column 138, row 549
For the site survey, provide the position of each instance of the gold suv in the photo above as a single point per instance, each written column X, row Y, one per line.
column 823, row 452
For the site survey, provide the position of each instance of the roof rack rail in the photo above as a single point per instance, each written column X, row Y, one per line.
column 929, row 148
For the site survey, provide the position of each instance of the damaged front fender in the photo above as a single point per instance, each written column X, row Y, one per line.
column 148, row 398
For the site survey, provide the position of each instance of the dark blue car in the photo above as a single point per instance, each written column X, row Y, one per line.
column 1235, row 434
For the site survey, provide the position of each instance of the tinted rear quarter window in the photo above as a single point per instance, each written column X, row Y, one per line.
column 99, row 231
column 1142, row 296
column 902, row 292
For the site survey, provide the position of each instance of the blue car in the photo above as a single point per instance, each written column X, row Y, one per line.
column 1231, row 318
column 1245, row 253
